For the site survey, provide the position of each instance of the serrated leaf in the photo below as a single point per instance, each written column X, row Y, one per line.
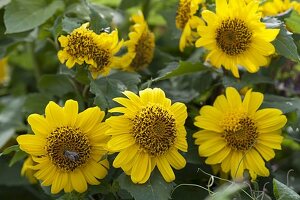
column 57, row 84
column 154, row 189
column 283, row 192
column 98, row 22
column 293, row 22
column 285, row 46
column 285, row 104
column 174, row 69
column 112, row 86
column 23, row 15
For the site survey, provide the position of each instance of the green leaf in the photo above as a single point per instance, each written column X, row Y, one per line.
column 11, row 176
column 285, row 104
column 154, row 189
column 4, row 3
column 285, row 46
column 19, row 155
column 6, row 133
column 283, row 192
column 293, row 22
column 36, row 103
column 23, row 15
column 58, row 84
column 10, row 149
column 174, row 69
column 98, row 23
column 226, row 191
column 112, row 86
column 125, row 4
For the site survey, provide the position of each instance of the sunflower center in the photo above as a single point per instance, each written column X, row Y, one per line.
column 79, row 44
column 240, row 131
column 154, row 129
column 233, row 36
column 68, row 148
column 183, row 14
column 102, row 57
column 144, row 51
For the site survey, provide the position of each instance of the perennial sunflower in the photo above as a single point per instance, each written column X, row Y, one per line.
column 235, row 36
column 148, row 134
column 140, row 45
column 187, row 21
column 67, row 146
column 275, row 7
column 84, row 45
column 238, row 135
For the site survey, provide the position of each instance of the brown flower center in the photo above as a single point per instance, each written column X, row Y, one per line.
column 68, row 148
column 80, row 43
column 144, row 50
column 233, row 36
column 154, row 129
column 183, row 13
column 240, row 131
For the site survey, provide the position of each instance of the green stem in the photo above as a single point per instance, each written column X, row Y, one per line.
column 37, row 71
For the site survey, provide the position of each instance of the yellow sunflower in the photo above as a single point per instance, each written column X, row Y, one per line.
column 235, row 36
column 148, row 134
column 4, row 75
column 140, row 45
column 275, row 7
column 187, row 21
column 83, row 45
column 238, row 135
column 67, row 146
column 27, row 170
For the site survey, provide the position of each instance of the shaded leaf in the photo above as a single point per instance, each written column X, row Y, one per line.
column 19, row 155
column 154, row 189
column 107, row 88
column 23, row 15
column 55, row 84
column 293, row 22
column 10, row 149
column 36, row 103
column 129, row 3
column 11, row 176
column 285, row 46
column 283, row 192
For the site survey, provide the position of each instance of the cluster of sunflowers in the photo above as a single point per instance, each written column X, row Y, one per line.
column 98, row 51
column 68, row 149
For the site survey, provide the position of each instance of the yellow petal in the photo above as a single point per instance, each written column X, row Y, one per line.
column 39, row 124
column 89, row 118
column 175, row 159
column 165, row 169
column 140, row 168
column 32, row 144
column 120, row 142
column 78, row 181
column 71, row 112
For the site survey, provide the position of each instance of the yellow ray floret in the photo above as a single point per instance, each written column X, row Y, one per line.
column 148, row 134
column 237, row 135
column 140, row 46
column 275, row 7
column 67, row 147
column 85, row 46
column 235, row 36
column 187, row 21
